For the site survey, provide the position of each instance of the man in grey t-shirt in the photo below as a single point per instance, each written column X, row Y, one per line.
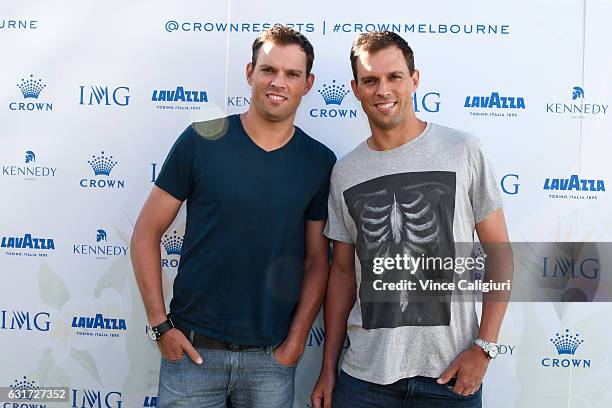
column 412, row 189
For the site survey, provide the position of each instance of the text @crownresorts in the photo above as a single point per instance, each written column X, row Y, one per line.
column 458, row 265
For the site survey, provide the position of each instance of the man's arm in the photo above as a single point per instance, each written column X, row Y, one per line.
column 157, row 214
column 316, row 272
column 471, row 365
column 340, row 298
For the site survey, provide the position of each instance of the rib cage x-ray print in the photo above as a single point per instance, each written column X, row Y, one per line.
column 403, row 214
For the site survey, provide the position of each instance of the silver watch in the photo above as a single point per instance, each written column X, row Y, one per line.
column 490, row 349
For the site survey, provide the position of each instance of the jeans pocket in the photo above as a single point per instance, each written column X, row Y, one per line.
column 174, row 362
column 277, row 363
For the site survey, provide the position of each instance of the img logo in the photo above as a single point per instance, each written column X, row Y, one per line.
column 567, row 346
column 101, row 249
column 577, row 108
column 333, row 94
column 494, row 105
column 24, row 321
column 26, row 245
column 574, row 188
column 31, row 89
column 95, row 399
column 153, row 172
column 509, row 184
column 101, row 95
column 173, row 244
column 430, row 102
column 102, row 166
column 179, row 99
column 569, row 268
column 31, row 171
column 98, row 326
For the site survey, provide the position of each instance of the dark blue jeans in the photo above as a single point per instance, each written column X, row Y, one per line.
column 415, row 392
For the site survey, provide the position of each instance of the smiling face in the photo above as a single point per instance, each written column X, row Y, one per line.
column 384, row 87
column 278, row 81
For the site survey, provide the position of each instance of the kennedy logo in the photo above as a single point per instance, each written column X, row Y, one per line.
column 577, row 107
column 87, row 398
column 566, row 345
column 31, row 171
column 98, row 326
column 173, row 244
column 100, row 249
column 179, row 98
column 510, row 184
column 19, row 320
column 102, row 165
column 31, row 88
column 574, row 188
column 494, row 105
column 103, row 96
column 238, row 101
column 27, row 245
column 333, row 94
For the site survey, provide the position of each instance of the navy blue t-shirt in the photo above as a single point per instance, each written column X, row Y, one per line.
column 240, row 274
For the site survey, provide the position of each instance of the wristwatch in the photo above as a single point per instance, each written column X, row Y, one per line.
column 156, row 331
column 490, row 349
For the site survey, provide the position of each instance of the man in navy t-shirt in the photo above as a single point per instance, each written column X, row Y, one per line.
column 254, row 265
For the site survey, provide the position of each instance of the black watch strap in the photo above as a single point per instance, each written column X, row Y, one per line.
column 157, row 331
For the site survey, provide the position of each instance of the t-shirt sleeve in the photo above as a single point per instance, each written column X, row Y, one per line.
column 176, row 175
column 484, row 189
column 317, row 208
column 335, row 228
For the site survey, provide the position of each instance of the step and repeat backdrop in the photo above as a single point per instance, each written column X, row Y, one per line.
column 93, row 94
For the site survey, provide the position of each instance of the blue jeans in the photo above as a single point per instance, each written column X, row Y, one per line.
column 241, row 379
column 415, row 392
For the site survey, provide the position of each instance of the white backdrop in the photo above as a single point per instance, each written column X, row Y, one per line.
column 89, row 71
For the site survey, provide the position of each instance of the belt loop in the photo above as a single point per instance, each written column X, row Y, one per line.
column 268, row 350
column 191, row 336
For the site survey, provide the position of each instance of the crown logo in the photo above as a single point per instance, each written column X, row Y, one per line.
column 333, row 94
column 566, row 344
column 102, row 165
column 577, row 92
column 100, row 235
column 24, row 385
column 30, row 156
column 31, row 88
column 172, row 243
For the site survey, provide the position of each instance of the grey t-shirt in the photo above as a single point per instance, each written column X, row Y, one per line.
column 422, row 197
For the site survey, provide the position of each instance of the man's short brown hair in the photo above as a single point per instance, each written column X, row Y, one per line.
column 283, row 35
column 376, row 41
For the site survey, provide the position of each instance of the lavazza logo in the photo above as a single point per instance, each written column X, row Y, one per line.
column 101, row 249
column 102, row 167
column 173, row 244
column 27, row 245
column 150, row 401
column 179, row 98
column 91, row 398
column 31, row 89
column 578, row 107
column 24, row 321
column 495, row 105
column 30, row 170
column 574, row 188
column 98, row 326
column 567, row 348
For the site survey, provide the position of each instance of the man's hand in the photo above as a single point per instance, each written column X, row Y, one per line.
column 469, row 367
column 173, row 344
column 288, row 353
column 322, row 393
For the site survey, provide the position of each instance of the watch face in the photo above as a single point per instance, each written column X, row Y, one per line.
column 493, row 351
column 152, row 334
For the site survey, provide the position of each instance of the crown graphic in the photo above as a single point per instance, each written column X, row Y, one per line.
column 173, row 243
column 24, row 385
column 577, row 92
column 333, row 94
column 102, row 165
column 100, row 235
column 566, row 344
column 31, row 88
column 30, row 156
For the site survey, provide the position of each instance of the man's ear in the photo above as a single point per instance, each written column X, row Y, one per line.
column 309, row 83
column 249, row 73
column 354, row 88
column 415, row 80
